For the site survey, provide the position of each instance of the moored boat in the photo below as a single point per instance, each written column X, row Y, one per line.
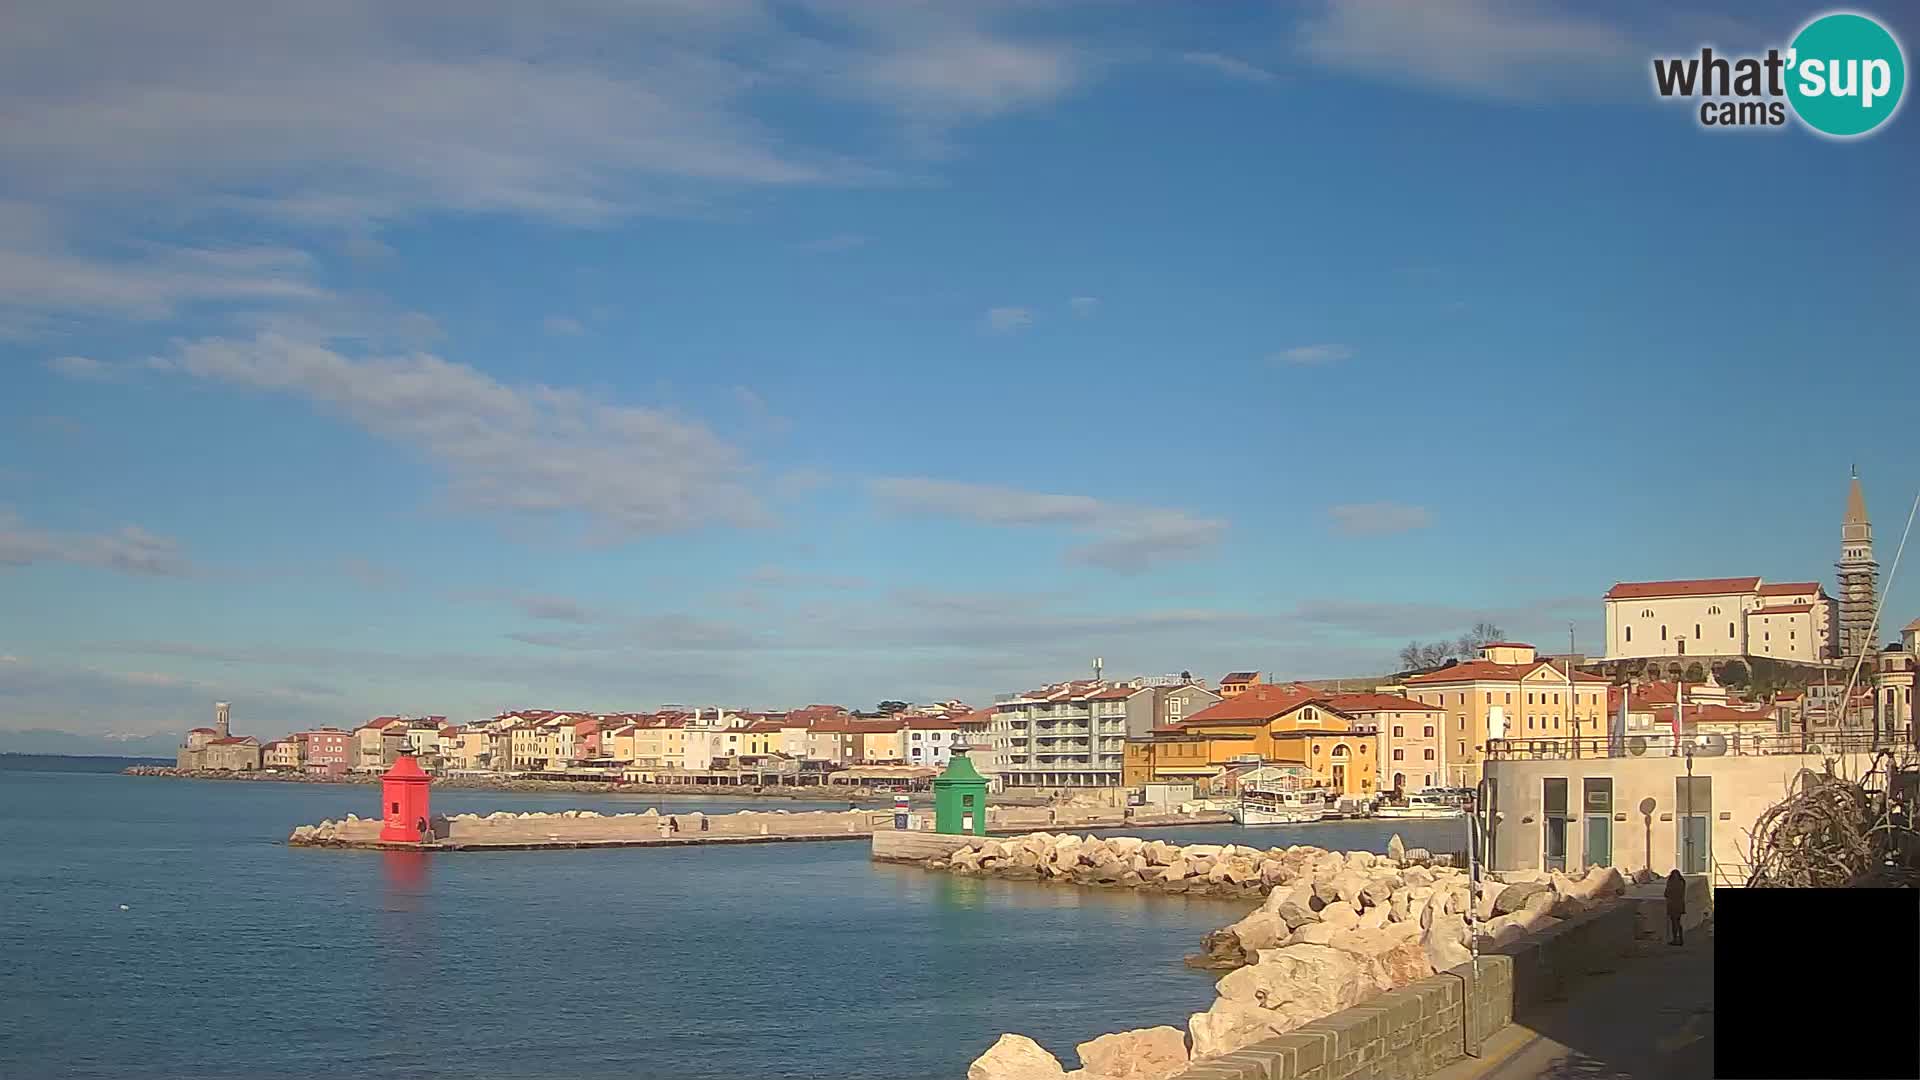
column 1279, row 807
column 1421, row 804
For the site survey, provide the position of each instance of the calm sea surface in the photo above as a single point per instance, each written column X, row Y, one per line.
column 237, row 956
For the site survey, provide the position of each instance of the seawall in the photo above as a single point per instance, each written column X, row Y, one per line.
column 1419, row 1029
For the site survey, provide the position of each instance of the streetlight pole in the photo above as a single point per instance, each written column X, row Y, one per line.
column 1573, row 721
column 1686, row 818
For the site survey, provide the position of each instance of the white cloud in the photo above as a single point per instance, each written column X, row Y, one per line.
column 1084, row 306
column 1501, row 49
column 1229, row 66
column 41, row 274
column 1123, row 537
column 129, row 549
column 1007, row 320
column 1378, row 518
column 360, row 111
column 1313, row 355
column 562, row 326
column 521, row 450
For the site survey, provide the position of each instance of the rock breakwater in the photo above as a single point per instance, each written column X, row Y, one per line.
column 1332, row 929
column 590, row 828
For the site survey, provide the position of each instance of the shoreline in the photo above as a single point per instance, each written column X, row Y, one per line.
column 794, row 793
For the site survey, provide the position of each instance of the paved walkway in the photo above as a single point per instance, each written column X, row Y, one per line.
column 1650, row 1019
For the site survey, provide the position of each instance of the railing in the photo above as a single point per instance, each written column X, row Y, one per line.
column 1816, row 744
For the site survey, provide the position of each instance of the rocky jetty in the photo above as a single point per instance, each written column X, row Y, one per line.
column 1333, row 929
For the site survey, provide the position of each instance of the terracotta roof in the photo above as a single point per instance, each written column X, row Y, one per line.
column 1239, row 676
column 1488, row 670
column 1507, row 645
column 202, row 731
column 1914, row 625
column 1647, row 590
column 233, row 740
column 933, row 723
column 1377, row 703
column 1789, row 588
column 1258, row 703
column 765, row 726
column 1116, row 693
column 1783, row 609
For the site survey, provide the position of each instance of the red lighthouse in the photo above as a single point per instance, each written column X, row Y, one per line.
column 403, row 797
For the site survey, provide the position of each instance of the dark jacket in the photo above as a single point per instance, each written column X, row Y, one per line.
column 1676, row 894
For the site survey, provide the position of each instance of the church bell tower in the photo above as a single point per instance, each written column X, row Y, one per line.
column 1859, row 575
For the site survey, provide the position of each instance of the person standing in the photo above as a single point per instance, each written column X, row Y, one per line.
column 1676, row 906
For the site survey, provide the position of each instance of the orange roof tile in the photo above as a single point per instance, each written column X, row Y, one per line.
column 1258, row 703
column 1789, row 588
column 1647, row 590
column 1489, row 671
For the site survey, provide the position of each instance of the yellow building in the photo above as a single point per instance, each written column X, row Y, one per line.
column 1263, row 725
column 660, row 743
column 284, row 754
column 764, row 737
column 1507, row 693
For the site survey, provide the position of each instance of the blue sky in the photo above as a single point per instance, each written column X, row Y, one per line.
column 650, row 352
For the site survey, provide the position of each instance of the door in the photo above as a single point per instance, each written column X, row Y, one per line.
column 1553, row 823
column 1597, row 809
column 1694, row 799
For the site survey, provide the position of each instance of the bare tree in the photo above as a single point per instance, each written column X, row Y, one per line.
column 1420, row 655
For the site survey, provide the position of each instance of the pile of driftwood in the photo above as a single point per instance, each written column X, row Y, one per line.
column 1834, row 832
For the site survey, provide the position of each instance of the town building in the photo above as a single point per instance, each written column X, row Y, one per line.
column 1269, row 725
column 1654, row 802
column 1507, row 692
column 1235, row 683
column 1717, row 618
column 216, row 748
column 378, row 743
column 326, row 751
column 1408, row 745
column 1068, row 735
column 283, row 755
column 929, row 740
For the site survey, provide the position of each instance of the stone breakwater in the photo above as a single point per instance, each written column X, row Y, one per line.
column 1333, row 929
column 589, row 828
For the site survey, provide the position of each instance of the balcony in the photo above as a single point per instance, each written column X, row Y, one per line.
column 1817, row 744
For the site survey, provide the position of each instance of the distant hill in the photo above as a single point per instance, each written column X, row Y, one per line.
column 82, row 763
column 48, row 741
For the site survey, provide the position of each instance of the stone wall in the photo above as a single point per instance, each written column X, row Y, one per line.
column 1417, row 1030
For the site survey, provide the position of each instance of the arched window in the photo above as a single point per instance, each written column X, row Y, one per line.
column 1729, row 629
column 1663, row 633
column 1340, row 751
column 1646, row 613
column 1714, row 610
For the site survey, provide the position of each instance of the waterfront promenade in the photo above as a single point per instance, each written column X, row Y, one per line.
column 1649, row 1019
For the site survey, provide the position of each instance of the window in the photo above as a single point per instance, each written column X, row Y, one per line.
column 1646, row 613
column 1729, row 629
column 1429, row 753
column 1509, row 699
column 1463, row 748
column 1429, row 779
column 1399, row 732
column 1463, row 699
column 1429, row 731
column 1696, row 631
column 1529, row 723
column 1629, row 633
column 1556, row 699
column 1715, row 610
column 1529, row 699
column 1399, row 755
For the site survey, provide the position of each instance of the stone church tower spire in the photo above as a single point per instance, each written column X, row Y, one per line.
column 1859, row 575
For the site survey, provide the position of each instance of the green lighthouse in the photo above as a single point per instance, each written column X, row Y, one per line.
column 960, row 797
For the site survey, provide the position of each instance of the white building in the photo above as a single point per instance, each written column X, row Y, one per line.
column 928, row 740
column 1720, row 617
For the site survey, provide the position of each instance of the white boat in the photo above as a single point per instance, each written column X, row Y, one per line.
column 1279, row 807
column 1421, row 804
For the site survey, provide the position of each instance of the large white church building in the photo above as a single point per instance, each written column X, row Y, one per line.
column 1746, row 616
